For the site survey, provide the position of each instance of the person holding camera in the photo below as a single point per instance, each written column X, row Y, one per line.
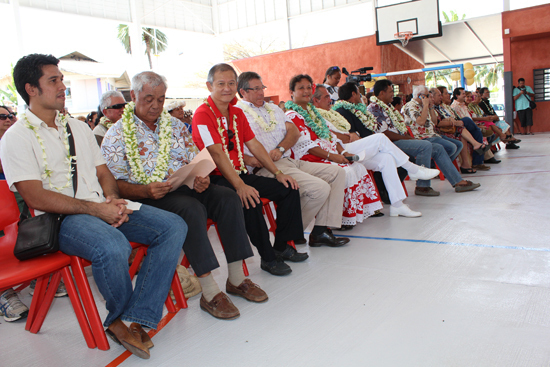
column 523, row 97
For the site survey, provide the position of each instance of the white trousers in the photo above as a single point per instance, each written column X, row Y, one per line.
column 321, row 189
column 383, row 156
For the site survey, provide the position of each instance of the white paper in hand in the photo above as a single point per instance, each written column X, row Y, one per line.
column 201, row 166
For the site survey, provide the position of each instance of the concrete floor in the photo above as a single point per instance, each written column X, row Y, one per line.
column 467, row 284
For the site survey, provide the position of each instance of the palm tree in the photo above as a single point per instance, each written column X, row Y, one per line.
column 439, row 77
column 488, row 75
column 11, row 93
column 155, row 40
column 453, row 17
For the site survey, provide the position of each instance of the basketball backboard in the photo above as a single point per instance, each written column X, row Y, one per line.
column 421, row 17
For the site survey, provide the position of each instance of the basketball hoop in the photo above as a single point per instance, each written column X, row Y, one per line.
column 404, row 37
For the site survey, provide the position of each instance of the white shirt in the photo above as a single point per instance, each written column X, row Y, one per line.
column 269, row 139
column 22, row 159
column 333, row 92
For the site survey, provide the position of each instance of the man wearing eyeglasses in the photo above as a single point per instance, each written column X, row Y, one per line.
column 112, row 105
column 321, row 185
column 205, row 200
column 223, row 129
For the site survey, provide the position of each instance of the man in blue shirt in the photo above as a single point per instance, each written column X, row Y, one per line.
column 523, row 95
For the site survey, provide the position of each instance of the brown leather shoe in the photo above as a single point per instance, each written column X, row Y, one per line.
column 221, row 307
column 248, row 290
column 119, row 332
column 137, row 331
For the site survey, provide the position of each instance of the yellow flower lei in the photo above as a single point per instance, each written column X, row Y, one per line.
column 106, row 122
column 259, row 119
column 68, row 159
column 336, row 119
column 395, row 117
column 132, row 149
column 237, row 139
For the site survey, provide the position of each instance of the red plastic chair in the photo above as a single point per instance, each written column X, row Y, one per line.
column 15, row 272
column 266, row 209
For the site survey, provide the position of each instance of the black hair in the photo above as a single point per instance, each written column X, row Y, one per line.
column 381, row 85
column 521, row 80
column 456, row 92
column 219, row 68
column 29, row 70
column 396, row 101
column 297, row 78
column 482, row 91
column 330, row 71
column 244, row 80
column 345, row 92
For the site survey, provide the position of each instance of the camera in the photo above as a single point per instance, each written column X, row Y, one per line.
column 359, row 75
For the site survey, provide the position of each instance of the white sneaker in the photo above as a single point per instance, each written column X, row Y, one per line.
column 424, row 173
column 403, row 211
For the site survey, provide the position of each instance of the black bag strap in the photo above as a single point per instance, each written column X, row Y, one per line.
column 25, row 213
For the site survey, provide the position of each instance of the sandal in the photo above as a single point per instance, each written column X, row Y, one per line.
column 467, row 170
column 482, row 149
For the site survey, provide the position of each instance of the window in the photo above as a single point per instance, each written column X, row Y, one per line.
column 541, row 84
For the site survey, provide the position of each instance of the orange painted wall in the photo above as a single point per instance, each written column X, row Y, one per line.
column 276, row 69
column 393, row 59
column 529, row 49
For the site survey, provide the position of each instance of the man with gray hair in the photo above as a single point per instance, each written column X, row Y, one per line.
column 142, row 150
column 111, row 105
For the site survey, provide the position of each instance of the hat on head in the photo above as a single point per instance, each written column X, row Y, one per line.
column 175, row 104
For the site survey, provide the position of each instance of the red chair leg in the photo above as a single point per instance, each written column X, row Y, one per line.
column 291, row 243
column 178, row 292
column 77, row 307
column 46, row 303
column 270, row 217
column 141, row 252
column 441, row 175
column 89, row 303
column 38, row 296
column 185, row 262
column 405, row 188
column 170, row 305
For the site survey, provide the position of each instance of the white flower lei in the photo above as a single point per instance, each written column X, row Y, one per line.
column 68, row 159
column 336, row 119
column 237, row 140
column 395, row 117
column 132, row 149
column 259, row 119
column 360, row 111
column 106, row 122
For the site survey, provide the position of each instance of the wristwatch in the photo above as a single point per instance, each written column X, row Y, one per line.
column 281, row 149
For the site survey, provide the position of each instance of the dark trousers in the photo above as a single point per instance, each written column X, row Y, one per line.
column 471, row 126
column 220, row 204
column 289, row 214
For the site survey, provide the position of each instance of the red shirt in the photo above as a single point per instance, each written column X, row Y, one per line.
column 206, row 133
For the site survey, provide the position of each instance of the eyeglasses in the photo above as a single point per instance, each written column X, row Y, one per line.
column 256, row 89
column 117, row 106
column 230, row 145
column 335, row 68
column 10, row 116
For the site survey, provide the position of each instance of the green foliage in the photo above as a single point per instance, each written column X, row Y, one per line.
column 488, row 75
column 453, row 17
column 11, row 93
column 439, row 77
column 154, row 40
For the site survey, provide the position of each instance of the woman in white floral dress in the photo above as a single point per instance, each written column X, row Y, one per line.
column 361, row 198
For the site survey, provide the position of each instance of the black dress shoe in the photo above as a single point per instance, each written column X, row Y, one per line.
column 493, row 160
column 327, row 238
column 511, row 146
column 276, row 267
column 291, row 254
column 302, row 241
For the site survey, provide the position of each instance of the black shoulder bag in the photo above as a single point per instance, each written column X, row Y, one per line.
column 39, row 235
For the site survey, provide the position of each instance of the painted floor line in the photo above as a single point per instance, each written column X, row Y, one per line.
column 513, row 173
column 527, row 156
column 449, row 243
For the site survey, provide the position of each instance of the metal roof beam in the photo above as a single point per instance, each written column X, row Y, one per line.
column 438, row 50
column 480, row 41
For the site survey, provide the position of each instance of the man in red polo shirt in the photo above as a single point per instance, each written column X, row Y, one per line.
column 222, row 129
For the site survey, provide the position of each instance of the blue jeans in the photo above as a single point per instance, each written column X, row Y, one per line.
column 471, row 126
column 424, row 151
column 108, row 250
column 452, row 146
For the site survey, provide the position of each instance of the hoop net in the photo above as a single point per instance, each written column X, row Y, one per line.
column 404, row 37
